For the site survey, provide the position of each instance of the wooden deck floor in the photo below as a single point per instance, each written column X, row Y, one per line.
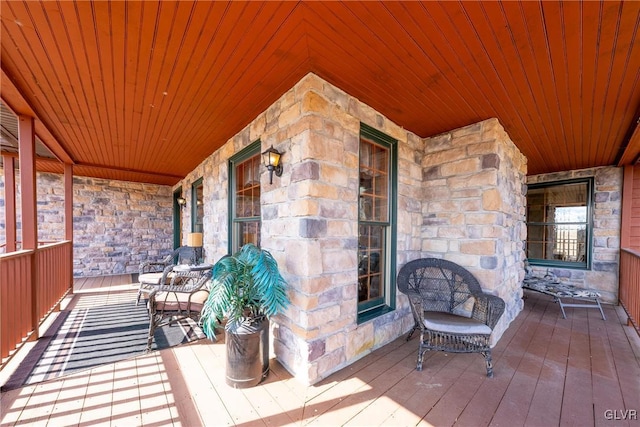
column 549, row 371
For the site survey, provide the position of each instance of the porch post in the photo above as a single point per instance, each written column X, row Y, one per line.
column 68, row 201
column 10, row 202
column 27, row 160
column 68, row 213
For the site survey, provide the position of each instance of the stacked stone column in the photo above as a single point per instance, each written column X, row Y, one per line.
column 474, row 208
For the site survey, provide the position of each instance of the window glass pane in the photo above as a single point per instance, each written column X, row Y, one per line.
column 542, row 203
column 380, row 158
column 558, row 223
column 248, row 189
column 374, row 182
column 562, row 242
column 246, row 206
column 198, row 208
column 371, row 256
column 248, row 232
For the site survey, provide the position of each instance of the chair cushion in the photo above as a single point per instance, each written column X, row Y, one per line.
column 450, row 323
column 150, row 278
column 175, row 301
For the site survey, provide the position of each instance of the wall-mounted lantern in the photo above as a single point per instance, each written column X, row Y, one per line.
column 271, row 159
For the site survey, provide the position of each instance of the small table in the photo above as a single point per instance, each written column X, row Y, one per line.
column 563, row 290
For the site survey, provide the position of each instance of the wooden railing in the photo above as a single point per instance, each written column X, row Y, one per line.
column 16, row 276
column 32, row 284
column 3, row 246
column 629, row 294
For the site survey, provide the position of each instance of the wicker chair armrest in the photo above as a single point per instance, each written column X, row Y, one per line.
column 415, row 302
column 167, row 290
column 488, row 309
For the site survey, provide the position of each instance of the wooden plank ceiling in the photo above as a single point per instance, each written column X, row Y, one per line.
column 145, row 91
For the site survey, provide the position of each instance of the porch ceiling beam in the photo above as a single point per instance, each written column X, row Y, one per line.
column 97, row 171
column 631, row 153
column 118, row 169
column 13, row 98
column 38, row 158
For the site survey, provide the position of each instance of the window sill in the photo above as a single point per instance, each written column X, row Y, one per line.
column 559, row 264
column 373, row 313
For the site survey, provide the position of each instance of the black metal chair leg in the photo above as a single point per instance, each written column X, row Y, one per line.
column 487, row 358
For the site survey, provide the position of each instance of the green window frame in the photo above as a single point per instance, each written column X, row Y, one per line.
column 177, row 219
column 244, row 197
column 560, row 223
column 377, row 208
column 197, row 206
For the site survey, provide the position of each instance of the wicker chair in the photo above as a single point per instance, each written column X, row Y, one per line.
column 450, row 309
column 183, row 298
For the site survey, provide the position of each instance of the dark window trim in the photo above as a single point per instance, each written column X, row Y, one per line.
column 242, row 155
column 177, row 215
column 589, row 237
column 367, row 314
column 194, row 205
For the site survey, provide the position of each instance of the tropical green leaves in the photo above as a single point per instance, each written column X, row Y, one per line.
column 244, row 286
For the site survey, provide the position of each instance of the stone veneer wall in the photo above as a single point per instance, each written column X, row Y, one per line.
column 116, row 224
column 310, row 223
column 605, row 264
column 474, row 208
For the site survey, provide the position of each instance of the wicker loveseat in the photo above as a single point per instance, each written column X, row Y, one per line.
column 450, row 309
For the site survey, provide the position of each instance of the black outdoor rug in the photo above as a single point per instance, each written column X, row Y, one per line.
column 93, row 336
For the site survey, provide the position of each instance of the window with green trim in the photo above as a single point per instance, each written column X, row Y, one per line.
column 177, row 217
column 197, row 206
column 376, row 225
column 559, row 223
column 244, row 192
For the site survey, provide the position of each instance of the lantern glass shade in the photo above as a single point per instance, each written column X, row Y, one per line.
column 194, row 240
column 271, row 159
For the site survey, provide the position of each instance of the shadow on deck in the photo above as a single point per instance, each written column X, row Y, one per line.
column 548, row 371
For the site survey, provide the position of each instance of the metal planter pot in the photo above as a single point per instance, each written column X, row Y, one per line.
column 247, row 353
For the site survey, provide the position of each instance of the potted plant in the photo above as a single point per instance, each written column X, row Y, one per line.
column 246, row 290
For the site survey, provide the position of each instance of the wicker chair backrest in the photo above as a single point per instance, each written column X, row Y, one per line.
column 443, row 285
column 185, row 254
